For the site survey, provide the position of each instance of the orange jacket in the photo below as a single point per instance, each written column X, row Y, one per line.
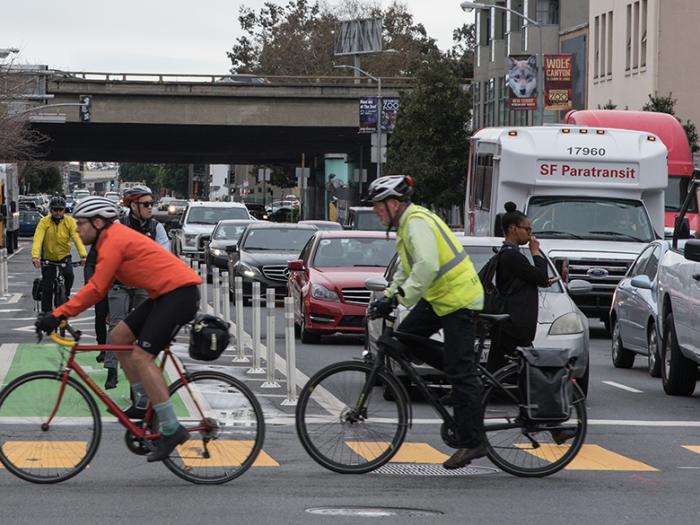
column 136, row 261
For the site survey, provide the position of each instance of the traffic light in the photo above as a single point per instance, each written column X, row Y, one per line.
column 111, row 184
column 85, row 108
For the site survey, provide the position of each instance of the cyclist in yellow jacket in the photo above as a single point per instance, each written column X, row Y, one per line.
column 52, row 239
column 437, row 279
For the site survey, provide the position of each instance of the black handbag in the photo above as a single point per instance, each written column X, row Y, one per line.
column 209, row 338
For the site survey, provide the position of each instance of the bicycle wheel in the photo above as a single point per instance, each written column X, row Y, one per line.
column 59, row 294
column 337, row 437
column 226, row 424
column 525, row 448
column 41, row 454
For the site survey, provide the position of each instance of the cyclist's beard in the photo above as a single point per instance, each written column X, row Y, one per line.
column 56, row 219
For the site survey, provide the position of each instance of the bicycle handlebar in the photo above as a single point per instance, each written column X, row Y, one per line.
column 45, row 262
column 62, row 341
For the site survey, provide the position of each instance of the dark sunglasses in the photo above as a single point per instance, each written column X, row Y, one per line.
column 146, row 204
column 58, row 209
column 526, row 228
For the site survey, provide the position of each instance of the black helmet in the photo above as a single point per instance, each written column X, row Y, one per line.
column 57, row 202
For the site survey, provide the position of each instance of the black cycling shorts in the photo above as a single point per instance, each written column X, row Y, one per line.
column 156, row 322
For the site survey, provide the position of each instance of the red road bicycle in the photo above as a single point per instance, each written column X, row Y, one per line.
column 50, row 426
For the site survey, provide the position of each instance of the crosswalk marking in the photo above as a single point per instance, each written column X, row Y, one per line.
column 222, row 454
column 42, row 454
column 692, row 448
column 408, row 453
column 591, row 457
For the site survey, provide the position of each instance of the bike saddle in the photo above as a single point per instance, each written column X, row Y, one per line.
column 494, row 318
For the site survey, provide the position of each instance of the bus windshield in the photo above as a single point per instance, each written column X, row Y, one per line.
column 590, row 218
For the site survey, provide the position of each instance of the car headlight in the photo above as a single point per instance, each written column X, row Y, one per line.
column 566, row 324
column 217, row 253
column 190, row 238
column 171, row 209
column 247, row 270
column 324, row 294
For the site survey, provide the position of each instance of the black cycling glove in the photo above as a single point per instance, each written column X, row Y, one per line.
column 47, row 323
column 385, row 305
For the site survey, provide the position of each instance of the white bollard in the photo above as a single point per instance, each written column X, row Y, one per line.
column 202, row 270
column 238, row 294
column 225, row 292
column 216, row 290
column 270, row 340
column 255, row 367
column 3, row 272
column 290, row 342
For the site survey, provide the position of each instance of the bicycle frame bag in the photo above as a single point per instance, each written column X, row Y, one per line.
column 36, row 289
column 545, row 383
column 209, row 338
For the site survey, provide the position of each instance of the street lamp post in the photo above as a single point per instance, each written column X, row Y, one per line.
column 378, row 80
column 468, row 6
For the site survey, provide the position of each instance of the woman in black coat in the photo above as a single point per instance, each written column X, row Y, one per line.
column 517, row 280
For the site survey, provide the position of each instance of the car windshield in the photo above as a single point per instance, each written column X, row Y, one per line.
column 334, row 253
column 229, row 232
column 212, row 215
column 177, row 203
column 114, row 197
column 675, row 193
column 590, row 218
column 369, row 221
column 278, row 239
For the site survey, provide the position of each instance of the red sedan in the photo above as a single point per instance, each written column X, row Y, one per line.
column 327, row 282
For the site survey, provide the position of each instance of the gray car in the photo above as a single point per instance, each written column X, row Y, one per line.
column 633, row 314
column 560, row 323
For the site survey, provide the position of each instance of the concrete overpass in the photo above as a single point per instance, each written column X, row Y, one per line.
column 202, row 119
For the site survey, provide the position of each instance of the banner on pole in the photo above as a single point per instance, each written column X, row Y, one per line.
column 521, row 77
column 557, row 81
column 368, row 114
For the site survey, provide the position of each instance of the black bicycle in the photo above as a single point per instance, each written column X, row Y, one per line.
column 60, row 294
column 347, row 425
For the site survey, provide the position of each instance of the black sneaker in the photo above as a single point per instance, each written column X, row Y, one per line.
column 112, row 379
column 463, row 456
column 134, row 412
column 166, row 444
column 100, row 357
column 562, row 436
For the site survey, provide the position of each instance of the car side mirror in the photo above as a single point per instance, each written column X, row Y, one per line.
column 692, row 250
column 232, row 248
column 641, row 281
column 296, row 265
column 579, row 287
column 682, row 227
column 376, row 284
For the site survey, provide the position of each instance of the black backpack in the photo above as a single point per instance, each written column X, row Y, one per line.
column 209, row 338
column 494, row 300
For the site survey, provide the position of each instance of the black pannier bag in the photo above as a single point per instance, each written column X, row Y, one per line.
column 545, row 383
column 36, row 289
column 209, row 338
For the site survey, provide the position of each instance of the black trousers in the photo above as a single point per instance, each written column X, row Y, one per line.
column 101, row 312
column 48, row 275
column 502, row 344
column 458, row 362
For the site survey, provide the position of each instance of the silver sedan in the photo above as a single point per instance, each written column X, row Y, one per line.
column 560, row 323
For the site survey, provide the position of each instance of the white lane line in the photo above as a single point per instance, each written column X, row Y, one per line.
column 11, row 310
column 622, row 387
column 14, row 299
column 7, row 354
column 15, row 252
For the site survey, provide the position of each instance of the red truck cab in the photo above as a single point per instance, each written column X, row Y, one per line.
column 672, row 134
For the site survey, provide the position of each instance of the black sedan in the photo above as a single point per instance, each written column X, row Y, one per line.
column 263, row 252
column 226, row 233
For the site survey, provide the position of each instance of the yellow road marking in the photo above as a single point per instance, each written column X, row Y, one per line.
column 590, row 457
column 408, row 453
column 222, row 454
column 45, row 454
column 692, row 448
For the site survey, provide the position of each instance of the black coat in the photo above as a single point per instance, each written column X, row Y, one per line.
column 518, row 280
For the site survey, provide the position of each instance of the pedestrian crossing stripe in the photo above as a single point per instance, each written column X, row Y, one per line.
column 590, row 457
column 222, row 453
column 692, row 448
column 407, row 453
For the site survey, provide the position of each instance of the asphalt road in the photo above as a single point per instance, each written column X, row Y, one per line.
column 635, row 468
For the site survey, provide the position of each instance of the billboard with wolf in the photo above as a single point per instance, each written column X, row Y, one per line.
column 521, row 77
column 557, row 81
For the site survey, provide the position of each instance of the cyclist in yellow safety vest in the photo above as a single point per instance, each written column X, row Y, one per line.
column 437, row 279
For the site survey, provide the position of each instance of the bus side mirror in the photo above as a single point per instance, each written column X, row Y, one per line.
column 682, row 228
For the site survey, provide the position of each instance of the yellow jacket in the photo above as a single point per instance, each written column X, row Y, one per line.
column 54, row 239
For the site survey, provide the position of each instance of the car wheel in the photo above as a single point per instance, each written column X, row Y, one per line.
column 621, row 357
column 308, row 338
column 653, row 361
column 678, row 373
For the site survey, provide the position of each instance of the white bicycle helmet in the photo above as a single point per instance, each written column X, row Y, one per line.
column 91, row 207
column 398, row 187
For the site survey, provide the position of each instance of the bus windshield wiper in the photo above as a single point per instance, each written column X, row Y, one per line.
column 618, row 234
column 557, row 232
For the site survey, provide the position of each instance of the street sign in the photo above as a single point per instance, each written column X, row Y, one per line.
column 305, row 172
column 85, row 108
column 264, row 175
column 359, row 175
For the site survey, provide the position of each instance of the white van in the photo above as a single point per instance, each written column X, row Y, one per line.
column 595, row 197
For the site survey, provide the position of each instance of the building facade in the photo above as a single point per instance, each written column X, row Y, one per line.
column 499, row 33
column 643, row 47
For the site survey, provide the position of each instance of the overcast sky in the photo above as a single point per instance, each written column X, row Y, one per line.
column 163, row 36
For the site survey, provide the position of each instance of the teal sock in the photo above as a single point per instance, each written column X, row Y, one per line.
column 140, row 396
column 167, row 420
